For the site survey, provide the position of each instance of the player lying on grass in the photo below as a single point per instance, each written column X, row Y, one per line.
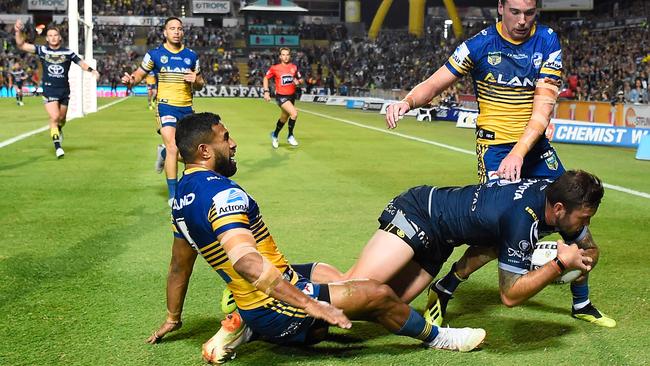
column 214, row 217
column 419, row 229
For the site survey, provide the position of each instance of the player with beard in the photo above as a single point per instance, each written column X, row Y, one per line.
column 214, row 217
column 287, row 77
column 179, row 75
column 56, row 61
column 516, row 66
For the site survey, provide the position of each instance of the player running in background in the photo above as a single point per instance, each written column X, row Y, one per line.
column 56, row 61
column 287, row 77
column 179, row 75
column 214, row 217
column 152, row 89
column 17, row 77
column 516, row 66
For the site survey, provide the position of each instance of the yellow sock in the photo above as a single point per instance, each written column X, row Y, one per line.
column 54, row 133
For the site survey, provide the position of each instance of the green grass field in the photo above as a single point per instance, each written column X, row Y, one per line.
column 86, row 241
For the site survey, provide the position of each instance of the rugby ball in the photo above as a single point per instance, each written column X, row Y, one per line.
column 545, row 251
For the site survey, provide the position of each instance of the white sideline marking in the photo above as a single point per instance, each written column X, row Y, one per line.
column 46, row 127
column 449, row 147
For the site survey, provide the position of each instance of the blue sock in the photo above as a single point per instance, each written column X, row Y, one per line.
column 171, row 187
column 417, row 327
column 451, row 281
column 580, row 295
column 163, row 153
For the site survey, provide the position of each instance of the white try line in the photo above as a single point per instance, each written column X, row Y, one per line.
column 47, row 127
column 449, row 147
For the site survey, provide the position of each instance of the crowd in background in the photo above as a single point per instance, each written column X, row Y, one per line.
column 600, row 64
column 160, row 8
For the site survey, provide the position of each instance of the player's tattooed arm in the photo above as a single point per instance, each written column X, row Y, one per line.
column 516, row 288
column 507, row 279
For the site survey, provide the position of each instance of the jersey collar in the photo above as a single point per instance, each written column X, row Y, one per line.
column 194, row 170
column 172, row 51
column 505, row 37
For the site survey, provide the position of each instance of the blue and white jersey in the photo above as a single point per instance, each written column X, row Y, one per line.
column 505, row 72
column 56, row 64
column 507, row 214
column 18, row 76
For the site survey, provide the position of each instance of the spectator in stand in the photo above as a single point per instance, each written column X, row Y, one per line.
column 638, row 95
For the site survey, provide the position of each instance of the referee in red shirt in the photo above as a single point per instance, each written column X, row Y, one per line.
column 287, row 77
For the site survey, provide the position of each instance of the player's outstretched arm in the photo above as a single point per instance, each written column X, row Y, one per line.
column 546, row 93
column 422, row 94
column 239, row 245
column 85, row 67
column 516, row 288
column 20, row 38
column 130, row 80
column 178, row 278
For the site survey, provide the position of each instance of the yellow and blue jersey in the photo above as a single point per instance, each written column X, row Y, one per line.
column 505, row 72
column 207, row 205
column 170, row 68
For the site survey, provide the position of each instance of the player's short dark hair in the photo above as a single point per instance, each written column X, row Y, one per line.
column 576, row 189
column 170, row 19
column 193, row 130
column 503, row 2
column 52, row 27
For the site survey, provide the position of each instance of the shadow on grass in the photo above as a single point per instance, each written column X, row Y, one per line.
column 482, row 300
column 26, row 162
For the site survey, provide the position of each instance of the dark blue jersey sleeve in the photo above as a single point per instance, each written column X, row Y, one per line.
column 518, row 238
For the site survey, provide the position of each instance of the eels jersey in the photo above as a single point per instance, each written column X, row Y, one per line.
column 284, row 75
column 505, row 72
column 207, row 205
column 170, row 68
column 56, row 64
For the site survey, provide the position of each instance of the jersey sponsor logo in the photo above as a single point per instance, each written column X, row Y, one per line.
column 537, row 60
column 515, row 81
column 167, row 119
column 554, row 60
column 531, row 212
column 494, row 58
column 175, row 69
column 517, row 56
column 519, row 193
column 286, row 79
column 164, row 59
column 55, row 70
column 308, row 289
column 519, row 254
column 230, row 201
column 475, row 198
column 460, row 54
column 186, row 200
